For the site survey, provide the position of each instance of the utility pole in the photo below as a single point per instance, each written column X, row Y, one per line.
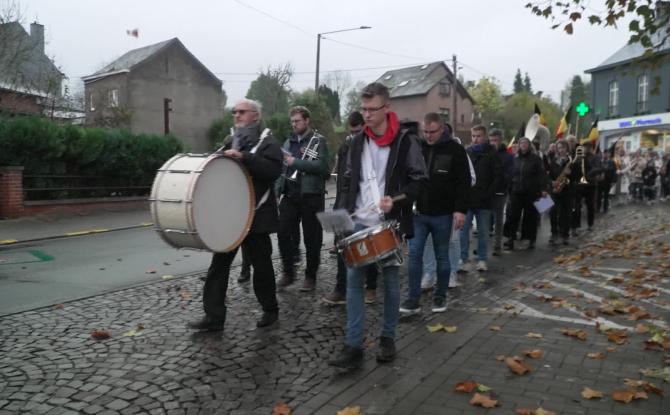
column 455, row 95
column 318, row 56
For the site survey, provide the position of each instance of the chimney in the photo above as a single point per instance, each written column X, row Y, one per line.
column 37, row 36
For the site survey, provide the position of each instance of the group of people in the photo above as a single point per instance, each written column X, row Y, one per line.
column 429, row 185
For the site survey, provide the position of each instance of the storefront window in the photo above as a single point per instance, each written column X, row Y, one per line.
column 613, row 108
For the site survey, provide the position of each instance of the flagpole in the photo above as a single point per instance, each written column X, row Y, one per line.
column 577, row 129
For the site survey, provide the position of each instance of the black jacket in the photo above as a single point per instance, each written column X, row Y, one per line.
column 340, row 168
column 405, row 174
column 448, row 178
column 589, row 169
column 529, row 177
column 555, row 169
column 507, row 161
column 264, row 166
column 489, row 172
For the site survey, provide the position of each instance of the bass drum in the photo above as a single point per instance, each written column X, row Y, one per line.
column 202, row 201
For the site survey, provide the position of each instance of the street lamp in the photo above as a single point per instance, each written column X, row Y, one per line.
column 318, row 51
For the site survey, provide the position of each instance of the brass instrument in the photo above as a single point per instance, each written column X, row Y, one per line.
column 579, row 153
column 310, row 153
column 563, row 179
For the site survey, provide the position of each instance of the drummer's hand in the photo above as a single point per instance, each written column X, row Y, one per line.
column 386, row 204
column 459, row 220
column 289, row 160
column 232, row 153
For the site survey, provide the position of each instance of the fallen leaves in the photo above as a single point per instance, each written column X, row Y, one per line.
column 589, row 393
column 100, row 334
column 136, row 331
column 494, row 328
column 517, row 365
column 538, row 411
column 440, row 327
column 350, row 410
column 532, row 335
column 577, row 333
column 628, row 395
column 467, row 386
column 596, row 356
column 645, row 385
column 660, row 373
column 484, row 401
column 282, row 409
column 533, row 354
column 617, row 336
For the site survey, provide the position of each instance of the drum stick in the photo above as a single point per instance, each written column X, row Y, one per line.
column 395, row 198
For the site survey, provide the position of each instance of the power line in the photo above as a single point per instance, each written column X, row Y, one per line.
column 277, row 19
column 371, row 49
column 332, row 70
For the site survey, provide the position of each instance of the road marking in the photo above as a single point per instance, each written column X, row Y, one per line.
column 610, row 277
column 617, row 269
column 77, row 233
column 25, row 257
column 8, row 241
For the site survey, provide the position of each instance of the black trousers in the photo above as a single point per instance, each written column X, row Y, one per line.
column 259, row 249
column 341, row 276
column 522, row 203
column 560, row 213
column 603, row 196
column 584, row 193
column 292, row 210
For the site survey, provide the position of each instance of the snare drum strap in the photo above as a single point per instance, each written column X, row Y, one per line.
column 265, row 133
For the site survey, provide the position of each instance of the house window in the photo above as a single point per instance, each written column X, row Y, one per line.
column 613, row 108
column 642, row 93
column 91, row 102
column 403, row 83
column 444, row 113
column 113, row 98
column 445, row 88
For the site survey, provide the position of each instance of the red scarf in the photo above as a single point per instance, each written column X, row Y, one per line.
column 392, row 128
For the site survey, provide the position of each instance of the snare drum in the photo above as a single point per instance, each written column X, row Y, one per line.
column 202, row 201
column 371, row 245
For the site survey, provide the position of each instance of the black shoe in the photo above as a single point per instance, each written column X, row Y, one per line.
column 206, row 323
column 268, row 318
column 409, row 307
column 287, row 279
column 386, row 350
column 349, row 358
column 509, row 245
column 245, row 274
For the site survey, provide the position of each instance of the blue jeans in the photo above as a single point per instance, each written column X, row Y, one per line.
column 455, row 249
column 439, row 228
column 356, row 302
column 483, row 228
column 429, row 266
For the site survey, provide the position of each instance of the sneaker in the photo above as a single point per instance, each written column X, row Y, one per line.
column 410, row 307
column 427, row 282
column 386, row 350
column 207, row 323
column 463, row 266
column 481, row 266
column 335, row 298
column 349, row 358
column 439, row 305
column 453, row 280
column 308, row 285
column 268, row 318
column 370, row 296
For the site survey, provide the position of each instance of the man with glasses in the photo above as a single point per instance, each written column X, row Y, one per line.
column 441, row 205
column 384, row 162
column 260, row 154
column 302, row 187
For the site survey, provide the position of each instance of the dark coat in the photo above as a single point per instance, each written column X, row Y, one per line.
column 507, row 161
column 340, row 168
column 489, row 172
column 529, row 177
column 448, row 178
column 405, row 174
column 264, row 167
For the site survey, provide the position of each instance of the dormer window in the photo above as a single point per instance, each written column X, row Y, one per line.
column 387, row 77
column 403, row 83
column 423, row 67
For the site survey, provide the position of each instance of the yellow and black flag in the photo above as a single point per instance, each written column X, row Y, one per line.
column 538, row 112
column 564, row 124
column 593, row 134
column 521, row 133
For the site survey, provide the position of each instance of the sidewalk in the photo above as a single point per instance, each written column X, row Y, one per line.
column 152, row 364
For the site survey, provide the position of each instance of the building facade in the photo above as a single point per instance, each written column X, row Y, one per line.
column 157, row 89
column 631, row 96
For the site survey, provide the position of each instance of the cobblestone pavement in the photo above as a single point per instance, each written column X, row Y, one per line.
column 151, row 364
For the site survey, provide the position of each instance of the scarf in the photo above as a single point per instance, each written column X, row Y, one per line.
column 392, row 128
column 244, row 135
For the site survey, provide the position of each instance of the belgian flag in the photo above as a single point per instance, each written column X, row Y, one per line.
column 564, row 124
column 521, row 133
column 538, row 112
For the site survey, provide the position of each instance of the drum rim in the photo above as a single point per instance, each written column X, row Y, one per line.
column 371, row 230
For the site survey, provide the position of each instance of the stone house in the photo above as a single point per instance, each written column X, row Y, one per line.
column 160, row 89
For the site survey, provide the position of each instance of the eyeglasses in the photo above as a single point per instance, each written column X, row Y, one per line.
column 363, row 110
column 241, row 112
column 429, row 132
column 297, row 121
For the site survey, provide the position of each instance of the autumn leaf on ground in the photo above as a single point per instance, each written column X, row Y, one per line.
column 533, row 354
column 647, row 386
column 281, row 409
column 508, row 306
column 538, row 411
column 494, row 328
column 186, row 295
column 517, row 365
column 660, row 373
column 585, row 271
column 623, row 396
column 641, row 328
column 168, row 277
column 350, row 410
column 100, row 334
column 59, row 306
column 450, row 329
column 578, row 333
column 483, row 400
column 611, row 350
column 467, row 386
column 500, row 357
column 597, row 356
column 435, row 327
column 589, row 393
column 543, row 285
column 534, row 335
column 483, row 388
column 617, row 336
column 520, row 286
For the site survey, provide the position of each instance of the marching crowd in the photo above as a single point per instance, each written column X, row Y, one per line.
column 426, row 186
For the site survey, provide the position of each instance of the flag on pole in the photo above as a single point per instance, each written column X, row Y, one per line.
column 538, row 112
column 522, row 131
column 592, row 135
column 564, row 124
column 134, row 33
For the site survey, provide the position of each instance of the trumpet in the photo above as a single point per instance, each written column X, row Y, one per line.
column 579, row 153
column 311, row 153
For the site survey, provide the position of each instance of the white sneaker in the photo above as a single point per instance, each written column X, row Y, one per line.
column 481, row 266
column 463, row 266
column 427, row 282
column 453, row 280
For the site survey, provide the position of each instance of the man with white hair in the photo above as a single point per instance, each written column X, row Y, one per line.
column 261, row 155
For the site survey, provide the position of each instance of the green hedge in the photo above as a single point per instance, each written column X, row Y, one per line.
column 45, row 148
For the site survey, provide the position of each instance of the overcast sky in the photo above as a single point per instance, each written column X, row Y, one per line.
column 235, row 38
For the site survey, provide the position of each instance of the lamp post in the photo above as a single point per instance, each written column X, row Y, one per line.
column 318, row 51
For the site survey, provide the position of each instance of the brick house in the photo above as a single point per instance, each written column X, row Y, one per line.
column 30, row 82
column 161, row 88
column 418, row 90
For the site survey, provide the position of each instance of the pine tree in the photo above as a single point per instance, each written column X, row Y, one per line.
column 526, row 84
column 518, row 82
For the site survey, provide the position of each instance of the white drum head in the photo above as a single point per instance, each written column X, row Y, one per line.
column 223, row 204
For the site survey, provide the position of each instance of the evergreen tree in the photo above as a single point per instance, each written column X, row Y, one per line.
column 518, row 82
column 526, row 84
